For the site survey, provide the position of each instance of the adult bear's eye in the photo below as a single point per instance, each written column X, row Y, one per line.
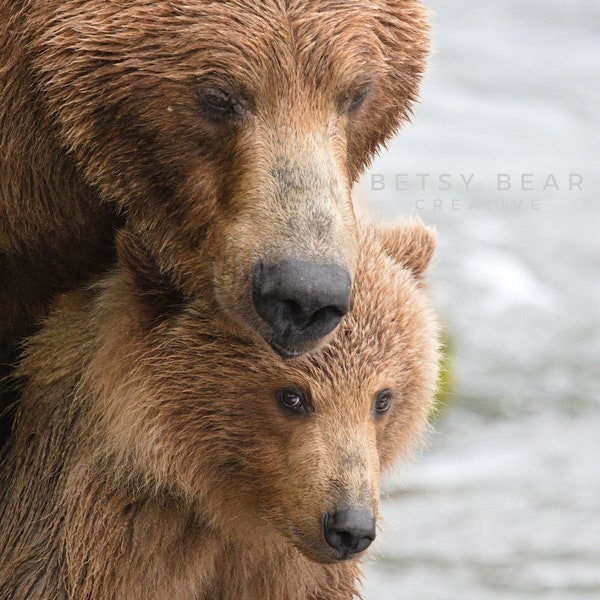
column 382, row 402
column 220, row 105
column 354, row 99
column 294, row 401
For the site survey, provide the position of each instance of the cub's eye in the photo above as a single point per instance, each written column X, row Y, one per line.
column 219, row 105
column 294, row 401
column 382, row 402
column 353, row 100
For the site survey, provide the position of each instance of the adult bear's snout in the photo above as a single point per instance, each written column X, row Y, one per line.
column 300, row 301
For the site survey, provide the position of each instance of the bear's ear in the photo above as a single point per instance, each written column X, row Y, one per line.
column 410, row 243
column 135, row 260
column 155, row 289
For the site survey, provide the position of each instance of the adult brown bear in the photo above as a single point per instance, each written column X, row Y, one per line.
column 159, row 454
column 227, row 134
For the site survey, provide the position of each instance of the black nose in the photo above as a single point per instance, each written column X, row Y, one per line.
column 300, row 301
column 349, row 531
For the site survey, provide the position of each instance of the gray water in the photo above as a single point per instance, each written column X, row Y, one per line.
column 505, row 502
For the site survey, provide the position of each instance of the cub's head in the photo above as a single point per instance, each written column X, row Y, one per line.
column 230, row 134
column 296, row 446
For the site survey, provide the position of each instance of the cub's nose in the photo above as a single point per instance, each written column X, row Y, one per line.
column 349, row 531
column 300, row 301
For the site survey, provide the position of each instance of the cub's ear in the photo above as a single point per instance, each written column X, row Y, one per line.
column 135, row 260
column 154, row 288
column 410, row 243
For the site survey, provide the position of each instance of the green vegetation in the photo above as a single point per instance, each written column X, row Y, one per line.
column 444, row 396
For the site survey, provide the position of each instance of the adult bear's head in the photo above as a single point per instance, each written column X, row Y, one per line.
column 230, row 133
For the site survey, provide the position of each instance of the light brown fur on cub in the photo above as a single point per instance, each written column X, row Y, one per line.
column 152, row 459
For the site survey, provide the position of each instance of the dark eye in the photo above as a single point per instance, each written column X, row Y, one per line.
column 294, row 401
column 382, row 402
column 219, row 105
column 352, row 101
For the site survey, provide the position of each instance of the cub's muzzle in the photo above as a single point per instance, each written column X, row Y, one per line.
column 349, row 531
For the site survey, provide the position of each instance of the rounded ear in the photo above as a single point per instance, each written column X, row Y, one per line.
column 410, row 243
column 155, row 289
column 134, row 259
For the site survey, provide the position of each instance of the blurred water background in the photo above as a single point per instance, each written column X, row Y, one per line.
column 505, row 502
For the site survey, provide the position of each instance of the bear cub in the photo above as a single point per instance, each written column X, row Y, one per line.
column 157, row 453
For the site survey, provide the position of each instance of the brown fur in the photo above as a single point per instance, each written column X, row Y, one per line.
column 151, row 459
column 99, row 118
